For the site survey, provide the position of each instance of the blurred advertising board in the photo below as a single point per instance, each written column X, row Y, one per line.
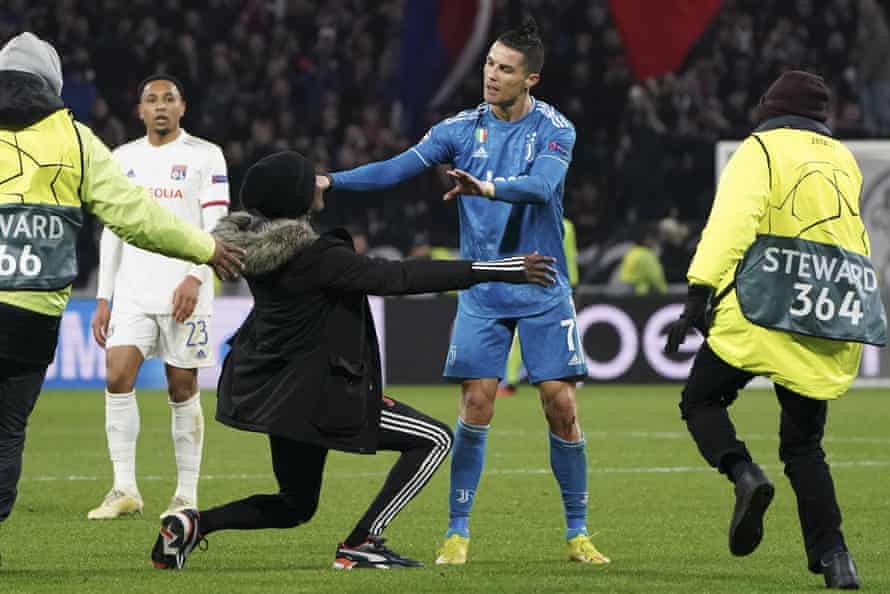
column 622, row 338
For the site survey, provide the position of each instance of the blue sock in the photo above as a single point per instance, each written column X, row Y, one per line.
column 467, row 459
column 568, row 460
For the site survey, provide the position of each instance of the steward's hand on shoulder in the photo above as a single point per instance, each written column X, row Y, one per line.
column 227, row 260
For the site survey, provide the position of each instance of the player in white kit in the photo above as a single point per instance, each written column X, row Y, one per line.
column 161, row 307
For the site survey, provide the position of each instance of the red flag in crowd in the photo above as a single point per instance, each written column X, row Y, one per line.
column 657, row 35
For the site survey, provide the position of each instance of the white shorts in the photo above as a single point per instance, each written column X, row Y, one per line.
column 187, row 345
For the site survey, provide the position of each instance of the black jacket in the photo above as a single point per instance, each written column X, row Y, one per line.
column 305, row 364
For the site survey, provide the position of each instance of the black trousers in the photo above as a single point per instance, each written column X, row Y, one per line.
column 423, row 441
column 20, row 385
column 711, row 388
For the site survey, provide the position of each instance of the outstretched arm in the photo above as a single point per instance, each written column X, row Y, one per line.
column 380, row 175
column 345, row 270
column 123, row 207
column 436, row 147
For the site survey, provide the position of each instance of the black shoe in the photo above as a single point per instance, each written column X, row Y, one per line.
column 753, row 494
column 177, row 538
column 840, row 572
column 372, row 554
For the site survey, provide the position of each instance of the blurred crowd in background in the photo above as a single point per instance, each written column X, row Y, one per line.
column 322, row 77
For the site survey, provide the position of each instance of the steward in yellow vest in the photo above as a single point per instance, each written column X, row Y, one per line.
column 51, row 168
column 640, row 267
column 784, row 263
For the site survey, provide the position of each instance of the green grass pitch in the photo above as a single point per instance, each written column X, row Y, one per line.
column 656, row 509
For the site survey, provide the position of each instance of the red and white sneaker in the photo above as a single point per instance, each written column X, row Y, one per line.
column 178, row 536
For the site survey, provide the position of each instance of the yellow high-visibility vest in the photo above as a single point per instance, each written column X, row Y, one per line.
column 41, row 175
column 783, row 182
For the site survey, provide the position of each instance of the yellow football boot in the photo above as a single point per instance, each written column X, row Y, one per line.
column 582, row 550
column 453, row 551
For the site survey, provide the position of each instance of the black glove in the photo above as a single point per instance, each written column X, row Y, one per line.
column 728, row 399
column 695, row 315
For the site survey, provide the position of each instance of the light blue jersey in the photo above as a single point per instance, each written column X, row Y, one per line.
column 527, row 161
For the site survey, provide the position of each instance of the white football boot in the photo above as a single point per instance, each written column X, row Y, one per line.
column 179, row 503
column 117, row 503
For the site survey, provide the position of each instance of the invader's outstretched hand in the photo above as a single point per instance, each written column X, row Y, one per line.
column 538, row 269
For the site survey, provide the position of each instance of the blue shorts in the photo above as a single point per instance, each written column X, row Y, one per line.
column 551, row 345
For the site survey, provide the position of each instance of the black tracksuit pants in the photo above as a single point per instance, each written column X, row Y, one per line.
column 423, row 441
column 20, row 385
column 711, row 388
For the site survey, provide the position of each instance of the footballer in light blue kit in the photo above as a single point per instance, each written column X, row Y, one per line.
column 510, row 156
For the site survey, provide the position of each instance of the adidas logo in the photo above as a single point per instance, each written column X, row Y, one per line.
column 201, row 354
column 480, row 153
column 575, row 360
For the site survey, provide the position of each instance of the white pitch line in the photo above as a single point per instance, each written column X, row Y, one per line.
column 495, row 471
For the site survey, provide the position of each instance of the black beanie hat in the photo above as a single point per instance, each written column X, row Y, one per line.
column 795, row 93
column 280, row 186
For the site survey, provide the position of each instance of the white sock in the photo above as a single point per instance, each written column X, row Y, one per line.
column 122, row 430
column 188, row 441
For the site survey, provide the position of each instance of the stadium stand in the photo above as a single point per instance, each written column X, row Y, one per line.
column 323, row 77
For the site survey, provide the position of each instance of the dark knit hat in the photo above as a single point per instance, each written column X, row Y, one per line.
column 795, row 92
column 280, row 186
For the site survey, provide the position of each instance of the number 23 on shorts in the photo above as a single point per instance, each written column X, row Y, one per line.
column 197, row 333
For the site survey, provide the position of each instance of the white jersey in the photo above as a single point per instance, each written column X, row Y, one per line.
column 187, row 177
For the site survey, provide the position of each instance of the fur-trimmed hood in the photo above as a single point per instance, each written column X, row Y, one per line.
column 270, row 243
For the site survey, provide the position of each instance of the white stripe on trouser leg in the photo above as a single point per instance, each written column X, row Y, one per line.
column 425, row 470
column 432, row 462
column 408, row 491
column 439, row 435
column 429, row 465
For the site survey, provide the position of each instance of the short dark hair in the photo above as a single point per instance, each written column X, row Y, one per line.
column 168, row 77
column 526, row 41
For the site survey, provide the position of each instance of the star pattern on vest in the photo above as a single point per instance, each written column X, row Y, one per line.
column 23, row 161
column 815, row 172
